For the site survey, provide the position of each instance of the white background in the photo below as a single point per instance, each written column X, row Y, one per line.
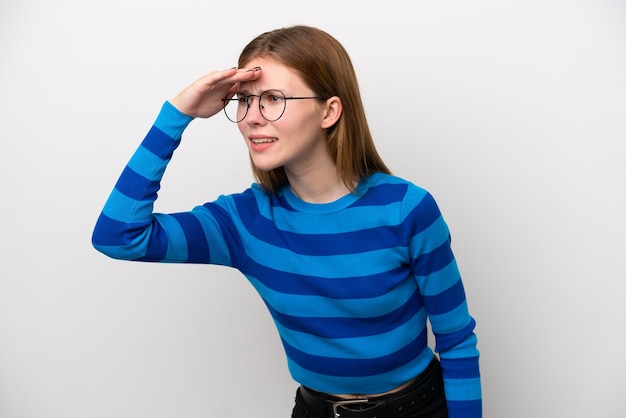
column 512, row 113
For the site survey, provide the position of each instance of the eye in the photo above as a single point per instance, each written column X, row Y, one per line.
column 273, row 97
column 242, row 99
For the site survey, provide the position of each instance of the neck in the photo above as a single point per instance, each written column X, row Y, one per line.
column 318, row 189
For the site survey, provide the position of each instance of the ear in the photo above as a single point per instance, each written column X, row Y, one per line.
column 333, row 109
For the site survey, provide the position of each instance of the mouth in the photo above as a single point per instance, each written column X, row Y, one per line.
column 259, row 141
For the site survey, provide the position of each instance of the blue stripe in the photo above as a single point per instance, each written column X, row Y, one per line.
column 462, row 389
column 362, row 347
column 357, row 287
column 447, row 341
column 197, row 244
column 157, row 243
column 137, row 187
column 147, row 164
column 373, row 384
column 437, row 282
column 382, row 195
column 344, row 367
column 452, row 320
column 351, row 327
column 177, row 251
column 230, row 234
column 433, row 261
column 465, row 409
column 159, row 143
column 335, row 267
column 320, row 244
column 446, row 300
column 117, row 207
column 109, row 232
column 280, row 202
column 106, row 231
column 172, row 121
column 348, row 220
column 430, row 238
column 424, row 214
column 313, row 305
column 461, row 368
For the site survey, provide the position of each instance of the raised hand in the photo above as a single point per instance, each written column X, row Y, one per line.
column 203, row 98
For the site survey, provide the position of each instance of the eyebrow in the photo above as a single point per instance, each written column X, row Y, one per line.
column 259, row 91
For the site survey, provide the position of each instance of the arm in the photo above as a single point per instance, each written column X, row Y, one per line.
column 440, row 283
column 127, row 227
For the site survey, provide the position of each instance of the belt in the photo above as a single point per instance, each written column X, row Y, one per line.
column 426, row 387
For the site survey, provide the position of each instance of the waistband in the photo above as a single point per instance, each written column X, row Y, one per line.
column 424, row 388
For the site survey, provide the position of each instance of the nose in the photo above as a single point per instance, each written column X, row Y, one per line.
column 254, row 112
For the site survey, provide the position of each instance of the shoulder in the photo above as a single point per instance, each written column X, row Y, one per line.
column 254, row 193
column 253, row 200
column 414, row 203
column 393, row 186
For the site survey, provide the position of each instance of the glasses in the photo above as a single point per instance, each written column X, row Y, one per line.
column 272, row 104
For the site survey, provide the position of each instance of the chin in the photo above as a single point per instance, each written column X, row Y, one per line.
column 265, row 166
column 266, row 169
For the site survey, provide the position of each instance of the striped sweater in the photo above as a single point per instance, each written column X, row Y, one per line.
column 350, row 284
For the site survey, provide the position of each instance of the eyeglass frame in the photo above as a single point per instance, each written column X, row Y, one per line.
column 227, row 100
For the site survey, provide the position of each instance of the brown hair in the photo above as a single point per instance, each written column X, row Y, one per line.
column 326, row 68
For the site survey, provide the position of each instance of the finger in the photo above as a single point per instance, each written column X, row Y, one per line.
column 247, row 74
column 253, row 69
column 241, row 76
column 217, row 77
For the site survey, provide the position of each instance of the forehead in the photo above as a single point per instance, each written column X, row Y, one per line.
column 274, row 75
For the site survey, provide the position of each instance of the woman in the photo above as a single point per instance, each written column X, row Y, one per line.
column 350, row 260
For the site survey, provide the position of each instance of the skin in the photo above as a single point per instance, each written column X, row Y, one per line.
column 297, row 141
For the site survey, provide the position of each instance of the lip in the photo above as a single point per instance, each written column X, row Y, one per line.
column 261, row 142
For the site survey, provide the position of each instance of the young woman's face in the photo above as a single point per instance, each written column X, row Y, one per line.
column 297, row 140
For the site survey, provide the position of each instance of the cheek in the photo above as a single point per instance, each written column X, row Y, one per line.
column 241, row 126
column 288, row 128
column 305, row 123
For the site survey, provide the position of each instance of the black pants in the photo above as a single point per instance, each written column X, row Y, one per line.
column 424, row 398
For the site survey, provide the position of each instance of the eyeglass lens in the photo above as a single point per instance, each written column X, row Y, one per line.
column 270, row 103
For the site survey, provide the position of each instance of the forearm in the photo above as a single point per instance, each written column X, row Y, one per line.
column 456, row 344
column 126, row 224
column 461, row 374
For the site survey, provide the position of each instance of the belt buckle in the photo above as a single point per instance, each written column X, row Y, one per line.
column 337, row 404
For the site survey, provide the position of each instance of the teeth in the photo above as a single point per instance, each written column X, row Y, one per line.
column 263, row 141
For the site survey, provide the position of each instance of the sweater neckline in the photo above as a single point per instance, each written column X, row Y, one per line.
column 330, row 207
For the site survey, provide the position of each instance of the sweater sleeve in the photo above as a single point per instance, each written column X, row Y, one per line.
column 442, row 289
column 127, row 228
